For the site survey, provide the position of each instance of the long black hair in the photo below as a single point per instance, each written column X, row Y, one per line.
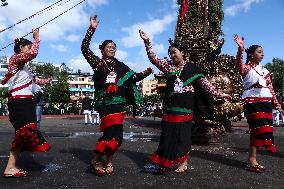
column 250, row 51
column 21, row 42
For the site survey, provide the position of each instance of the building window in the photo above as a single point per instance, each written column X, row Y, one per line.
column 4, row 66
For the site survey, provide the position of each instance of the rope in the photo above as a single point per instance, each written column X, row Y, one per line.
column 46, row 22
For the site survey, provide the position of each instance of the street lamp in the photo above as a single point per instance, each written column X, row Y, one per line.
column 4, row 3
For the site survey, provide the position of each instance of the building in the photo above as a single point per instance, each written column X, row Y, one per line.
column 148, row 87
column 80, row 84
column 3, row 68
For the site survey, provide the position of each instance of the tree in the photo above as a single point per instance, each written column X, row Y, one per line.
column 153, row 98
column 276, row 67
column 45, row 70
column 58, row 91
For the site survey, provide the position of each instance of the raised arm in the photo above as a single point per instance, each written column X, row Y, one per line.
column 91, row 58
column 23, row 58
column 140, row 76
column 161, row 64
column 243, row 69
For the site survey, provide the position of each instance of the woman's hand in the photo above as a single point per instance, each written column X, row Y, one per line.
column 143, row 35
column 35, row 33
column 93, row 21
column 150, row 70
column 240, row 41
column 279, row 109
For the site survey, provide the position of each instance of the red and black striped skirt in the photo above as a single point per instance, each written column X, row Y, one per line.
column 112, row 117
column 22, row 115
column 258, row 112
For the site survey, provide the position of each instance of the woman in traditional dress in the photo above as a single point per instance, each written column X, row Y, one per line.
column 259, row 99
column 182, row 77
column 115, row 87
column 21, row 104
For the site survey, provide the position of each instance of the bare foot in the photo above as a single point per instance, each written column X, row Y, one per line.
column 109, row 168
column 182, row 168
column 15, row 172
column 98, row 167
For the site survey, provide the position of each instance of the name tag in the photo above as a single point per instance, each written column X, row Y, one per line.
column 111, row 77
column 178, row 86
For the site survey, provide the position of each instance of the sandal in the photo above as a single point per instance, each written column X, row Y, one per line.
column 181, row 169
column 109, row 169
column 255, row 168
column 98, row 167
column 20, row 173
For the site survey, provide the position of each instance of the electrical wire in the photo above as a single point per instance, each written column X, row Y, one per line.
column 39, row 12
column 47, row 22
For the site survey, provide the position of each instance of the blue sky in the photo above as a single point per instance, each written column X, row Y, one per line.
column 259, row 21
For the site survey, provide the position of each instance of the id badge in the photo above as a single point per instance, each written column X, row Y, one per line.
column 262, row 81
column 111, row 77
column 178, row 86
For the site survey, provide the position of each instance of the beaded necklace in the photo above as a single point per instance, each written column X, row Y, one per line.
column 108, row 68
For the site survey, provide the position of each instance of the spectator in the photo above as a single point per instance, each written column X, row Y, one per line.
column 87, row 109
column 62, row 108
column 38, row 94
column 95, row 113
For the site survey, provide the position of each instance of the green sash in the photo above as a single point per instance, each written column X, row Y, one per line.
column 100, row 96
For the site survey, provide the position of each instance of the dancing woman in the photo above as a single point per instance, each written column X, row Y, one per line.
column 182, row 77
column 21, row 104
column 259, row 98
column 114, row 83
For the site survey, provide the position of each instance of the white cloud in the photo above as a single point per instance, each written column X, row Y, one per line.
column 243, row 5
column 95, row 48
column 140, row 65
column 73, row 38
column 152, row 28
column 71, row 21
column 79, row 62
column 159, row 48
column 60, row 48
column 121, row 55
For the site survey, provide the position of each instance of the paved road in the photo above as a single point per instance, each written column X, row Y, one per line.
column 219, row 165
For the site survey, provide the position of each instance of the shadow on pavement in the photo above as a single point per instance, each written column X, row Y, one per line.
column 82, row 154
column 27, row 162
column 218, row 158
column 145, row 123
column 139, row 158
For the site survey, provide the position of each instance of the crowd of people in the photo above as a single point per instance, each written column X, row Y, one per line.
column 116, row 88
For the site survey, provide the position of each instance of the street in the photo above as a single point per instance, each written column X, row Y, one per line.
column 67, row 164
